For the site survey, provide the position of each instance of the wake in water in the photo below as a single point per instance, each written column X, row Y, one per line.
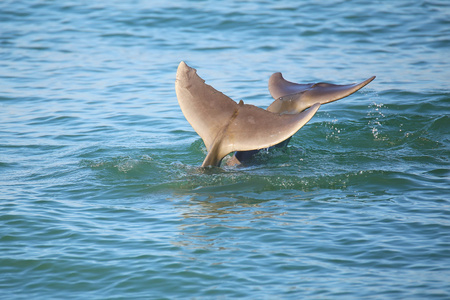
column 372, row 142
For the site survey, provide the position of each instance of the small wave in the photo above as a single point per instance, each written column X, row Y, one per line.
column 122, row 164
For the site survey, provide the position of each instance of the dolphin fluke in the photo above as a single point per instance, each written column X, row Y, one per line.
column 226, row 126
column 293, row 97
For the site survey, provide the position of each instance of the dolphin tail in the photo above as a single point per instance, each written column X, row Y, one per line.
column 226, row 126
column 293, row 97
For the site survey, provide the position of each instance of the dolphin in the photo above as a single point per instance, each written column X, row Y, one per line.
column 226, row 126
column 294, row 98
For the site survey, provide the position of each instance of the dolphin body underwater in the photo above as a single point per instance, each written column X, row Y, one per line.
column 226, row 126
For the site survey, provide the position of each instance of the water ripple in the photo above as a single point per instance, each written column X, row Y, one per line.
column 102, row 193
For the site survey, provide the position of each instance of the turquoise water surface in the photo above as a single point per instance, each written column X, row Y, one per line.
column 102, row 196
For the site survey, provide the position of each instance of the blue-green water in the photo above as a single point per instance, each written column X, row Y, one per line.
column 101, row 194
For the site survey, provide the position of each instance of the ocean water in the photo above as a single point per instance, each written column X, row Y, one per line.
column 101, row 192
